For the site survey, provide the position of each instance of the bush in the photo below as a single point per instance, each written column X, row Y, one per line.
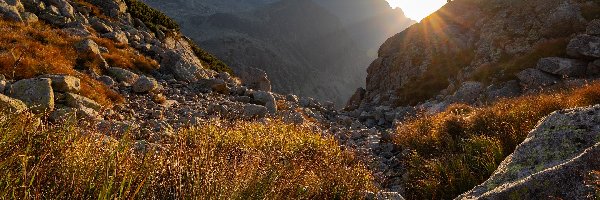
column 210, row 61
column 455, row 150
column 217, row 160
column 154, row 19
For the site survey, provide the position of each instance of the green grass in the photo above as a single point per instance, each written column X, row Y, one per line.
column 218, row 160
column 455, row 150
column 154, row 19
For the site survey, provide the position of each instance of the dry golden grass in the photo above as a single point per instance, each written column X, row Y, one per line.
column 244, row 160
column 457, row 149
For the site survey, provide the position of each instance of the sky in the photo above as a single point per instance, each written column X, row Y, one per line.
column 417, row 9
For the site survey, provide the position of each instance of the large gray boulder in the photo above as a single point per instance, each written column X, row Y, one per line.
column 254, row 111
column 266, row 99
column 593, row 27
column 535, row 79
column 11, row 105
column 36, row 93
column 123, row 75
column 255, row 79
column 563, row 66
column 64, row 83
column 584, row 46
column 468, row 92
column 183, row 65
column 65, row 8
column 145, row 84
column 552, row 162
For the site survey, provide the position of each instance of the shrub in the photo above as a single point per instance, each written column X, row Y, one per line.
column 457, row 149
column 154, row 19
column 210, row 61
column 218, row 160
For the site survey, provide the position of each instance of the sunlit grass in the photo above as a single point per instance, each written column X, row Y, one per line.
column 218, row 160
column 455, row 150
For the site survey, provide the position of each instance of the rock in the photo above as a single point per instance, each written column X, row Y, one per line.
column 29, row 17
column 64, row 83
column 255, row 79
column 107, row 80
column 266, row 99
column 535, row 79
column 61, row 115
column 65, row 8
column 117, row 36
column 584, row 46
column 207, row 85
column 87, row 46
column 593, row 28
column 123, row 75
column 553, row 161
column 291, row 98
column 11, row 105
column 3, row 85
column 293, row 117
column 116, row 129
column 145, row 84
column 562, row 66
column 503, row 90
column 254, row 111
column 468, row 92
column 356, row 99
column 10, row 12
column 77, row 101
column 185, row 67
column 112, row 8
column 36, row 93
column 100, row 26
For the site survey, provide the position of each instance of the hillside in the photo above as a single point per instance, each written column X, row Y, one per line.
column 296, row 50
column 107, row 99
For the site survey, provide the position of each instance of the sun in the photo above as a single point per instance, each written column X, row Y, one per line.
column 417, row 9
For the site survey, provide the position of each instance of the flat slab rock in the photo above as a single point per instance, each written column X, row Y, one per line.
column 554, row 161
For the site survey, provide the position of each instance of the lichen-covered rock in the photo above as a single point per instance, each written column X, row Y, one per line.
column 117, row 36
column 181, row 61
column 36, row 93
column 503, row 90
column 468, row 92
column 584, row 46
column 10, row 12
column 552, row 162
column 65, row 8
column 11, row 105
column 64, row 83
column 254, row 111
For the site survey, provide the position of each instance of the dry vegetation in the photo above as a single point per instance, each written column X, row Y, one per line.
column 457, row 149
column 244, row 160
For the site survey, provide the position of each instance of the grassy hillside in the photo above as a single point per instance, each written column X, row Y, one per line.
column 455, row 150
column 242, row 160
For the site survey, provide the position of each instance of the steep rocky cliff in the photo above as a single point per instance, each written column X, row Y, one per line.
column 296, row 49
column 488, row 42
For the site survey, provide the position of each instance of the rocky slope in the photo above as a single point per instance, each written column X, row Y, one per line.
column 296, row 49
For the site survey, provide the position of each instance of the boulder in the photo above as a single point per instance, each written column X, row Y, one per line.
column 356, row 99
column 29, row 17
column 562, row 66
column 255, row 79
column 100, row 26
column 9, row 12
column 107, row 80
column 553, row 161
column 64, row 83
column 117, row 36
column 207, row 85
column 468, row 92
column 123, row 75
column 36, row 93
column 87, row 46
column 266, row 99
column 77, row 101
column 535, row 79
column 584, row 46
column 254, row 111
column 11, row 105
column 504, row 90
column 145, row 84
column 184, row 65
column 593, row 68
column 65, row 8
column 112, row 8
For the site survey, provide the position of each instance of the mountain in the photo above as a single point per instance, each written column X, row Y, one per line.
column 476, row 44
column 297, row 50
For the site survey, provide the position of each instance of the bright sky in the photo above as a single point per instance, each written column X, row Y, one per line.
column 417, row 9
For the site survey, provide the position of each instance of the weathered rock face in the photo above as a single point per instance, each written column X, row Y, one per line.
column 553, row 162
column 475, row 40
column 183, row 63
column 11, row 105
column 64, row 83
column 255, row 79
column 37, row 94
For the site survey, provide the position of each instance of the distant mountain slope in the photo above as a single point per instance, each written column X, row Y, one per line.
column 307, row 47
